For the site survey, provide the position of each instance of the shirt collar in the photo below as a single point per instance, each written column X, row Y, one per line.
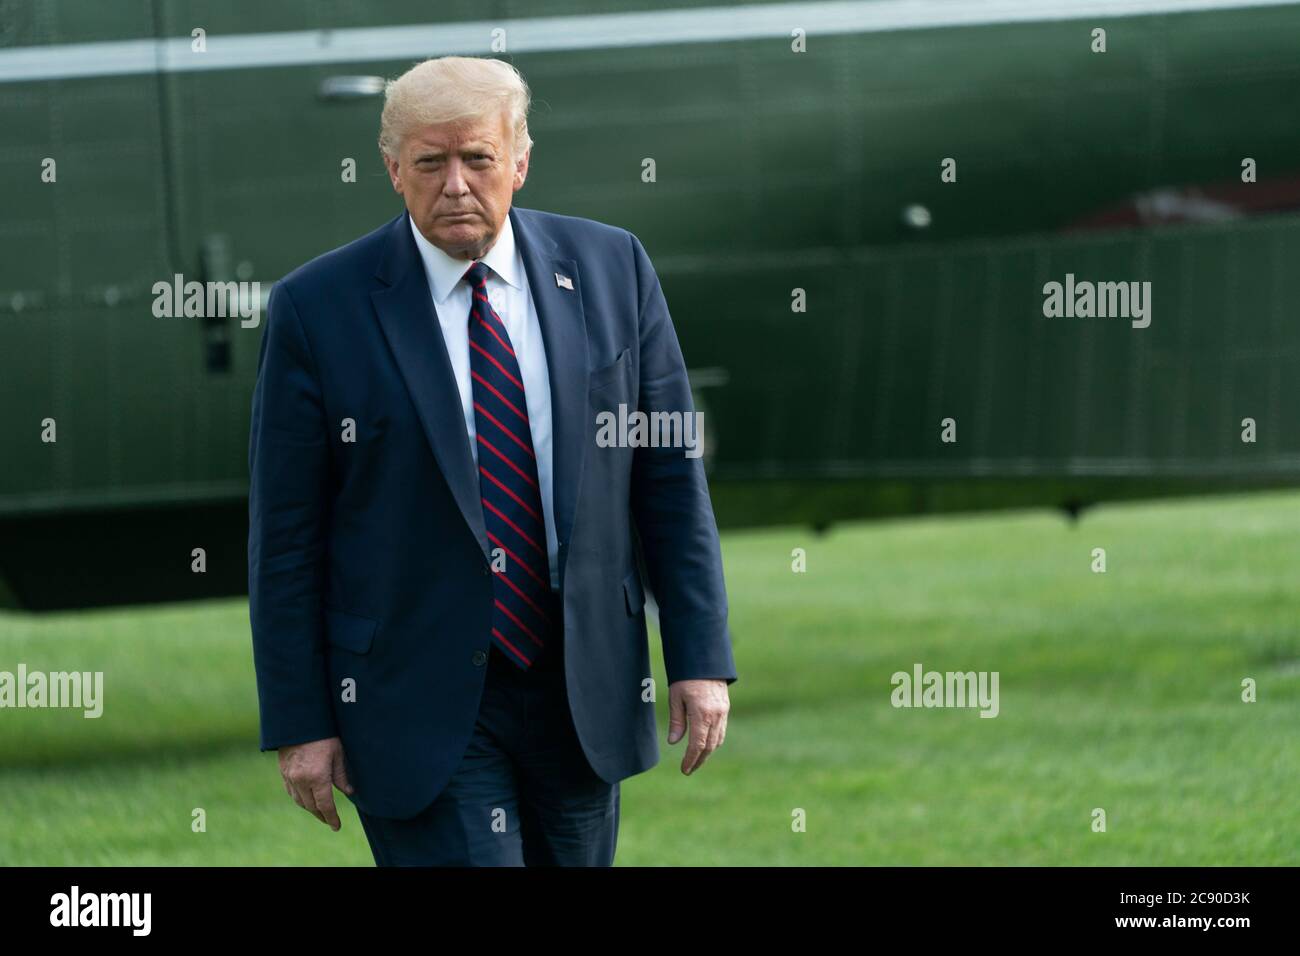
column 444, row 272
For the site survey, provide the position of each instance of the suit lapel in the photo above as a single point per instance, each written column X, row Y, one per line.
column 406, row 314
column 564, row 334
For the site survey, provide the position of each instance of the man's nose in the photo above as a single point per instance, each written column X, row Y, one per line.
column 455, row 184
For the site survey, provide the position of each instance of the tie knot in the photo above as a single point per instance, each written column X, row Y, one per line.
column 476, row 275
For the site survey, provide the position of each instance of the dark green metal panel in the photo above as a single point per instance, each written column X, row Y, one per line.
column 775, row 171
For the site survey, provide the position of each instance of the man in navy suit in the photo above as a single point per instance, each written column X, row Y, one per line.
column 447, row 613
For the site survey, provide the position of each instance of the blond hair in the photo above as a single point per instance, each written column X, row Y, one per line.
column 451, row 88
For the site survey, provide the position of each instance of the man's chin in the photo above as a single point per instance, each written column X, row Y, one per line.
column 462, row 238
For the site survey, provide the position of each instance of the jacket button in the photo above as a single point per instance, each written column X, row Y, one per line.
column 486, row 570
column 479, row 658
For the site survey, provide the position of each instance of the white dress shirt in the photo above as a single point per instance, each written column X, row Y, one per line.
column 507, row 289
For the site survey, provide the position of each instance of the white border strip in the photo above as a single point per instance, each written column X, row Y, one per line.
column 547, row 34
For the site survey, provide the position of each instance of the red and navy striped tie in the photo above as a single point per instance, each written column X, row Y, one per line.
column 507, row 468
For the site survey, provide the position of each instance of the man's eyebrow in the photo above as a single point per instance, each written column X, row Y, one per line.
column 437, row 152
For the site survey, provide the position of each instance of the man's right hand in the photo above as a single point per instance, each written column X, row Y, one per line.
column 310, row 772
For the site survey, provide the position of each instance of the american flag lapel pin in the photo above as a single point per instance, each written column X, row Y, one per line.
column 564, row 282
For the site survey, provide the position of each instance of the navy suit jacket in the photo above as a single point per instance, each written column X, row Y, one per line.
column 368, row 559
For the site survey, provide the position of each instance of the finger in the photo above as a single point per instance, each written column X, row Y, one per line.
column 341, row 774
column 714, row 741
column 307, row 800
column 300, row 798
column 699, row 737
column 324, row 794
column 676, row 717
column 709, row 743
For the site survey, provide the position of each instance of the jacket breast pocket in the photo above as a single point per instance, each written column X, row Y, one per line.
column 366, row 430
column 614, row 372
column 350, row 631
column 633, row 593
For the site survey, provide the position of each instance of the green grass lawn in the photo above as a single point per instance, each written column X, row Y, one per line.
column 1119, row 690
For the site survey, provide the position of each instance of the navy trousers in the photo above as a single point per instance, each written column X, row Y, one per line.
column 524, row 793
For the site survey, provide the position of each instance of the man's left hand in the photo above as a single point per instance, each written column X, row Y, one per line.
column 704, row 703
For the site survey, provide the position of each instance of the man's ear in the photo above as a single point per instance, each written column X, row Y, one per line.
column 521, row 170
column 394, row 173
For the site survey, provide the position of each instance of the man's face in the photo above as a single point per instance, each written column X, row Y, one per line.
column 457, row 180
